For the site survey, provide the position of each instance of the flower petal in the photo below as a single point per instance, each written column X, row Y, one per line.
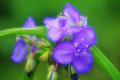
column 30, row 23
column 31, row 48
column 19, row 52
column 71, row 13
column 55, row 34
column 62, row 22
column 64, row 53
column 51, row 23
column 72, row 30
column 83, row 62
column 85, row 37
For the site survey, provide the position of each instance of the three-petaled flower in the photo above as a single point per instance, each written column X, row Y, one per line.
column 66, row 24
column 77, row 51
column 20, row 48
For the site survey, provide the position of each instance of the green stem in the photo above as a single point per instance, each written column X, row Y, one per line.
column 103, row 61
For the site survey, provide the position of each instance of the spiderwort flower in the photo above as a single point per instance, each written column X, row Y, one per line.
column 76, row 52
column 20, row 48
column 66, row 24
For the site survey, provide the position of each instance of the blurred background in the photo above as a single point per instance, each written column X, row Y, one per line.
column 103, row 16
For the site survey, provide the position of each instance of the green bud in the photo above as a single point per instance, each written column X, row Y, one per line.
column 52, row 74
column 45, row 55
column 30, row 64
column 42, row 43
column 72, row 70
column 26, row 39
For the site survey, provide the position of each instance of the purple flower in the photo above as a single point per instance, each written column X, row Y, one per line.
column 76, row 52
column 66, row 24
column 20, row 48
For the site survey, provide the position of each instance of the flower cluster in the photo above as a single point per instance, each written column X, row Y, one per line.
column 76, row 51
column 66, row 24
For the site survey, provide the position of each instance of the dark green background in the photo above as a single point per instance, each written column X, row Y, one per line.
column 103, row 16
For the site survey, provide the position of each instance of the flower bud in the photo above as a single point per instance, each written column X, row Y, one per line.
column 45, row 55
column 73, row 74
column 72, row 70
column 26, row 39
column 42, row 43
column 30, row 64
column 52, row 74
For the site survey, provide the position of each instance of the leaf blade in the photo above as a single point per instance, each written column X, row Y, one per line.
column 106, row 64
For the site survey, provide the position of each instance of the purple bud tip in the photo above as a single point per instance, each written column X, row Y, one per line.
column 30, row 23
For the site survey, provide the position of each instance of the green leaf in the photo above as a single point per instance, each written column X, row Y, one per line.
column 39, row 31
column 103, row 61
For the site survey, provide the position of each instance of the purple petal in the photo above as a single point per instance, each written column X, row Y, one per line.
column 72, row 30
column 51, row 22
column 71, row 13
column 55, row 34
column 62, row 22
column 18, row 38
column 64, row 53
column 19, row 52
column 83, row 62
column 31, row 48
column 30, row 23
column 85, row 37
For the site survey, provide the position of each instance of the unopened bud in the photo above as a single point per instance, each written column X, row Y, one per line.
column 42, row 43
column 30, row 64
column 45, row 55
column 52, row 74
column 26, row 39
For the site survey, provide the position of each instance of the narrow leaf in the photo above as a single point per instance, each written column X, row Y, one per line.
column 103, row 61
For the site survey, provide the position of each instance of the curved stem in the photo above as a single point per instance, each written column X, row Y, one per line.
column 39, row 31
column 103, row 61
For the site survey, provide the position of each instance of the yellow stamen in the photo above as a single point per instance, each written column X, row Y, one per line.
column 59, row 14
